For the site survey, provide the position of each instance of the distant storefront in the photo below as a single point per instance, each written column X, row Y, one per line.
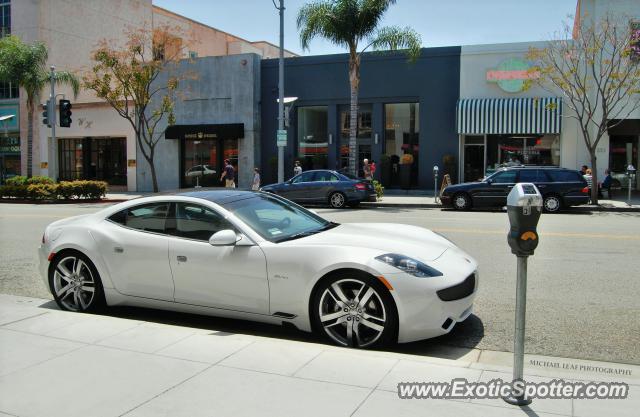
column 9, row 137
column 405, row 122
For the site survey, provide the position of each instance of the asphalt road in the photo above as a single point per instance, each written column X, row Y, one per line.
column 583, row 293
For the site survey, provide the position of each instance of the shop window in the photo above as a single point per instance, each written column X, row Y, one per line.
column 5, row 18
column 313, row 142
column 399, row 164
column 363, row 136
column 504, row 150
column 8, row 90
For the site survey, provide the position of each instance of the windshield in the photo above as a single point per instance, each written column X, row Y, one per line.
column 277, row 219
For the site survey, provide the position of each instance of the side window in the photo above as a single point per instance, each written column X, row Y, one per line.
column 146, row 217
column 304, row 177
column 193, row 221
column 530, row 175
column 565, row 176
column 325, row 176
column 505, row 177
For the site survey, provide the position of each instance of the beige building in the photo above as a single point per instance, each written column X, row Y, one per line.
column 99, row 144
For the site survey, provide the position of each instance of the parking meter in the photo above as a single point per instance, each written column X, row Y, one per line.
column 524, row 206
column 435, row 183
column 631, row 173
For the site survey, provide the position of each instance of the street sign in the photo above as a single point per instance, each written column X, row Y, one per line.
column 282, row 138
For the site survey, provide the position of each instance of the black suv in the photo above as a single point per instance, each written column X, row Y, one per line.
column 559, row 187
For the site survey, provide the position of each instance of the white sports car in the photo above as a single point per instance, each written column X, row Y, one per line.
column 257, row 256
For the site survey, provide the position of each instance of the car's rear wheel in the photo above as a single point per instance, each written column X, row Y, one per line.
column 461, row 201
column 337, row 200
column 75, row 283
column 354, row 309
column 552, row 203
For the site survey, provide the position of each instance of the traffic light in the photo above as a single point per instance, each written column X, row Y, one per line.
column 46, row 111
column 65, row 113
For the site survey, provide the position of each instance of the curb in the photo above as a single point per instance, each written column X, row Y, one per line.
column 577, row 209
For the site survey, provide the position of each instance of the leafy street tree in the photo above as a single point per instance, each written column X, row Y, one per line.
column 595, row 68
column 26, row 66
column 126, row 78
column 348, row 23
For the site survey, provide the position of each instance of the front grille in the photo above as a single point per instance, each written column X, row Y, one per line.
column 462, row 290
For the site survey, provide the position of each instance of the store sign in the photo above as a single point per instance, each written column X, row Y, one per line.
column 12, row 123
column 511, row 74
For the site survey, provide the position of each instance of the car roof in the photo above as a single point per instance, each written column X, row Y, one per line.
column 220, row 196
column 533, row 167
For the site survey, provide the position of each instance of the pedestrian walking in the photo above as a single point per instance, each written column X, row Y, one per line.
column 297, row 169
column 366, row 169
column 256, row 179
column 372, row 164
column 228, row 174
column 588, row 177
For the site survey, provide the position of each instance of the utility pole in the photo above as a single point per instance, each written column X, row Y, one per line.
column 281, row 145
column 52, row 163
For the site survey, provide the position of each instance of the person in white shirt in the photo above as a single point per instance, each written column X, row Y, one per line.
column 297, row 169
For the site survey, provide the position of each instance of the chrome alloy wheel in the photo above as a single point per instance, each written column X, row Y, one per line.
column 460, row 201
column 337, row 200
column 552, row 203
column 352, row 313
column 73, row 283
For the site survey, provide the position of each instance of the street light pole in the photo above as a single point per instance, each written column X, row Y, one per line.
column 281, row 94
column 52, row 117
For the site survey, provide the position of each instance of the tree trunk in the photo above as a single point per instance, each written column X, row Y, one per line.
column 30, row 111
column 354, row 81
column 154, row 177
column 594, row 176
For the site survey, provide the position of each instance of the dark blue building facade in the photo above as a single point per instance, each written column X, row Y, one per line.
column 406, row 122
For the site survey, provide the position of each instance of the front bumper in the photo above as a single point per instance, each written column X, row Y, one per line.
column 446, row 200
column 422, row 312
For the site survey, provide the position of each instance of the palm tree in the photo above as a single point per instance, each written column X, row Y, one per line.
column 346, row 23
column 26, row 66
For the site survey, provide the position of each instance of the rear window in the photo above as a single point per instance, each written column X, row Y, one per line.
column 565, row 176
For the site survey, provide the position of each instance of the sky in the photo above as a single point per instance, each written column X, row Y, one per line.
column 439, row 22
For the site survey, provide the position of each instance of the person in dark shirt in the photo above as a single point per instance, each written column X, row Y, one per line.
column 606, row 184
column 228, row 175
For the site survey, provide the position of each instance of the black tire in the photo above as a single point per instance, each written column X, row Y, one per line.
column 84, row 285
column 379, row 310
column 337, row 200
column 461, row 201
column 552, row 203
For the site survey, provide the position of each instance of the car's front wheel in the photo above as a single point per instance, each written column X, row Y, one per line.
column 461, row 201
column 75, row 283
column 354, row 309
column 337, row 200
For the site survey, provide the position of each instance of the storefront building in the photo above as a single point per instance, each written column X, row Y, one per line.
column 405, row 123
column 217, row 118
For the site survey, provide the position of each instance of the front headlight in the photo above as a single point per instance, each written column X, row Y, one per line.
column 409, row 265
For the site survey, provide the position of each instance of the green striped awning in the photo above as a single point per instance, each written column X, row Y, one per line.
column 484, row 116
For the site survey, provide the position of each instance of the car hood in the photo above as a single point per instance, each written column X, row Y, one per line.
column 416, row 242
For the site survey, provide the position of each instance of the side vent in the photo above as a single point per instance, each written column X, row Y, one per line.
column 284, row 315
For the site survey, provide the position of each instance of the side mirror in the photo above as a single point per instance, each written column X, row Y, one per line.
column 225, row 237
column 488, row 180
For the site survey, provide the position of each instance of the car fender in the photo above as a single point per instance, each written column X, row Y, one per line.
column 82, row 241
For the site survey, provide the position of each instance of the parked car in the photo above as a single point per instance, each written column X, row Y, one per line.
column 560, row 187
column 257, row 256
column 201, row 174
column 324, row 187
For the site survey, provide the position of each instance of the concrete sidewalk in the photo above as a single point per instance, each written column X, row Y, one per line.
column 54, row 363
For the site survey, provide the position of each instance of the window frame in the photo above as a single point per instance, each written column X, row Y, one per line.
column 174, row 211
column 164, row 233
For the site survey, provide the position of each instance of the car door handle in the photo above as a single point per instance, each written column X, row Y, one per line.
column 118, row 249
column 509, row 186
column 182, row 258
column 541, row 186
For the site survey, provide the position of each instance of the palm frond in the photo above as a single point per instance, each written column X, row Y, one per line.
column 69, row 79
column 395, row 38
